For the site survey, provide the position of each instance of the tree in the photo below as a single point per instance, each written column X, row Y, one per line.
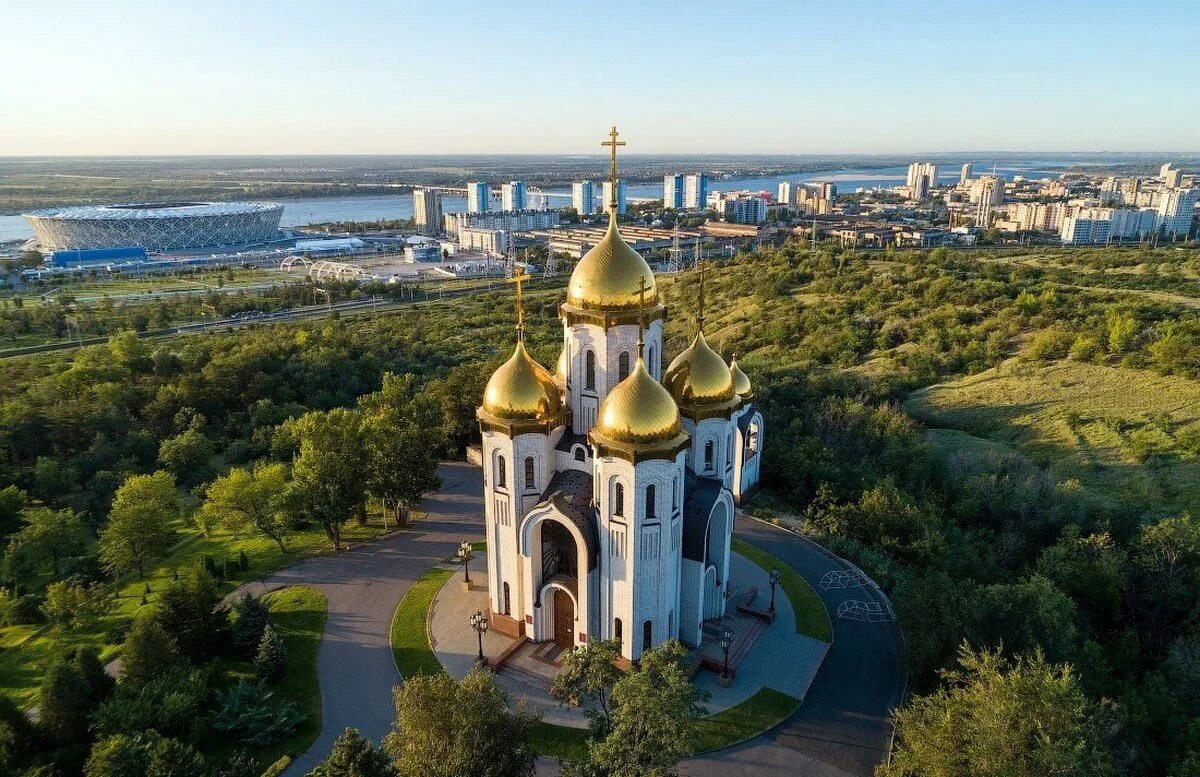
column 148, row 650
column 1165, row 578
column 250, row 499
column 653, row 718
column 139, row 524
column 75, row 606
column 354, row 756
column 329, row 482
column 49, row 535
column 249, row 619
column 1090, row 569
column 458, row 393
column 588, row 673
column 172, row 703
column 403, row 436
column 446, row 728
column 187, row 611
column 250, row 712
column 129, row 351
column 270, row 662
column 144, row 755
column 1028, row 615
column 1000, row 719
column 12, row 507
column 186, row 456
column 70, row 690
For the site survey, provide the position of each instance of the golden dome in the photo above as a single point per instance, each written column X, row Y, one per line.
column 522, row 390
column 699, row 376
column 560, row 368
column 639, row 411
column 741, row 382
column 609, row 276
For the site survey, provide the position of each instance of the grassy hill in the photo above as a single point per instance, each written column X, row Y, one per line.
column 1130, row 438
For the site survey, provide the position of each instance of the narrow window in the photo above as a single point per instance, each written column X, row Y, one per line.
column 529, row 480
column 650, row 493
column 619, row 500
column 617, row 630
column 501, row 480
column 507, row 611
column 708, row 455
column 647, row 635
column 670, row 623
column 589, row 375
column 653, row 364
column 623, row 366
column 675, row 493
column 579, row 454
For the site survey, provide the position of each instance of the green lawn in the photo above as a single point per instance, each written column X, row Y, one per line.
column 1117, row 434
column 744, row 721
column 812, row 619
column 25, row 651
column 410, row 638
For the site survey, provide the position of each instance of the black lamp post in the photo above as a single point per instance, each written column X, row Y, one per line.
column 774, row 582
column 479, row 622
column 726, row 641
column 464, row 555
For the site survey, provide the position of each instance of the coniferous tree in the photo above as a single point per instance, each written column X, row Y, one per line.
column 186, row 609
column 354, row 756
column 249, row 619
column 148, row 650
column 271, row 660
column 65, row 701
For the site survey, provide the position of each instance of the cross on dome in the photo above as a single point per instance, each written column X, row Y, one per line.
column 519, row 277
column 612, row 144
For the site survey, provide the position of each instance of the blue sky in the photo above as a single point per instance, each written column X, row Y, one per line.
column 338, row 76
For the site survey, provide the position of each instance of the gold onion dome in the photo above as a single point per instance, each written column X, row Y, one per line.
column 741, row 382
column 699, row 376
column 560, row 368
column 522, row 390
column 609, row 276
column 639, row 411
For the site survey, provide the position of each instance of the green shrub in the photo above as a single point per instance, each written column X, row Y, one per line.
column 271, row 660
column 171, row 704
column 250, row 713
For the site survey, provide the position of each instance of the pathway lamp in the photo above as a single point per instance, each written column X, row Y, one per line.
column 479, row 622
column 774, row 582
column 464, row 555
column 726, row 642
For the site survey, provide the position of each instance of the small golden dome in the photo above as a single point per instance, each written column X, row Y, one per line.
column 609, row 276
column 522, row 390
column 699, row 376
column 560, row 368
column 639, row 410
column 741, row 382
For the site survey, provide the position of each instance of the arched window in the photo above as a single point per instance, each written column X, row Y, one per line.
column 619, row 500
column 507, row 611
column 675, row 493
column 501, row 478
column 650, row 494
column 589, row 371
column 650, row 358
column 729, row 449
column 708, row 454
column 647, row 635
column 529, row 479
column 579, row 454
column 623, row 366
column 617, row 630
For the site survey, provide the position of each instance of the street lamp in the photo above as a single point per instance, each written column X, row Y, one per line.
column 464, row 555
column 726, row 641
column 774, row 582
column 479, row 622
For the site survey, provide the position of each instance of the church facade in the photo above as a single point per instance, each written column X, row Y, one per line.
column 610, row 483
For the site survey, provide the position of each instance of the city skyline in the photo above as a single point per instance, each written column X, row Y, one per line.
column 139, row 79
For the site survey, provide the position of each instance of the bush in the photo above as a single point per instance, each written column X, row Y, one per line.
column 186, row 610
column 1084, row 349
column 24, row 611
column 142, row 755
column 1049, row 344
column 75, row 606
column 249, row 712
column 148, row 650
column 170, row 704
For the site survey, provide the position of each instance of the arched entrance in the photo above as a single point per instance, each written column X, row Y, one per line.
column 564, row 618
column 712, row 594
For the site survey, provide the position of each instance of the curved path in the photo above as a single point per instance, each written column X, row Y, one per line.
column 841, row 729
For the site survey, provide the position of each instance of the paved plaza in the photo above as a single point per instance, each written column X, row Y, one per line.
column 776, row 656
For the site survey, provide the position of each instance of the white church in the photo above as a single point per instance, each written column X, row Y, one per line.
column 610, row 484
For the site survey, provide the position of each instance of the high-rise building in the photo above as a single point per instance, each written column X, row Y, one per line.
column 989, row 188
column 493, row 242
column 479, row 197
column 507, row 220
column 787, row 195
column 922, row 178
column 1176, row 208
column 1172, row 176
column 1087, row 225
column 746, row 209
column 583, row 198
column 537, row 199
column 673, row 190
column 427, row 210
column 621, row 199
column 512, row 196
column 827, row 191
column 967, row 170
column 695, row 191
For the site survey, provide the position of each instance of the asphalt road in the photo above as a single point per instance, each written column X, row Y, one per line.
column 841, row 729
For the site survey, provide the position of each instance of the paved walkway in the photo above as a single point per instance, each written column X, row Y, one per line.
column 841, row 729
column 363, row 587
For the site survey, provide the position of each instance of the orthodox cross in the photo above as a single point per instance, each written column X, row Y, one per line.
column 519, row 277
column 612, row 144
column 700, row 301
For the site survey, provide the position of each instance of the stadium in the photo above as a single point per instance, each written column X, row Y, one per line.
column 161, row 227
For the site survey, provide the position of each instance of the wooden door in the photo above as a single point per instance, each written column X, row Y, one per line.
column 564, row 618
